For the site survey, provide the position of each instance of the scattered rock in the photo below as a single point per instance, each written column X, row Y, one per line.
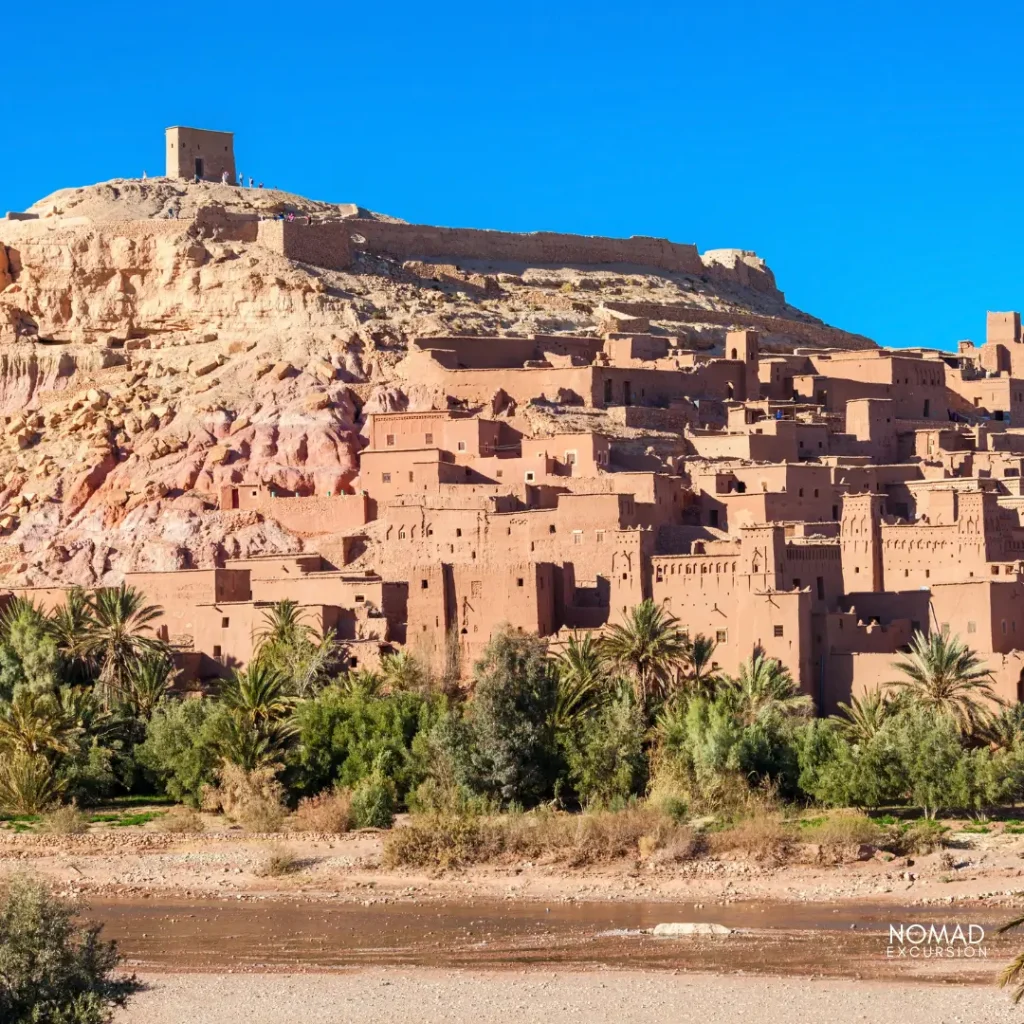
column 680, row 928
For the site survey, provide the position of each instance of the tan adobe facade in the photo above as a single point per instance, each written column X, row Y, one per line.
column 819, row 505
column 199, row 153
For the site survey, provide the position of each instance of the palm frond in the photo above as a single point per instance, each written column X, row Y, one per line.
column 649, row 647
column 942, row 673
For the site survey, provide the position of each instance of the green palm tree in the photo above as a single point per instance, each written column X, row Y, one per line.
column 119, row 636
column 582, row 682
column 85, row 714
column 862, row 718
column 28, row 783
column 19, row 610
column 258, row 695
column 283, row 626
column 403, row 672
column 34, row 723
column 1005, row 731
column 1013, row 972
column 942, row 673
column 362, row 681
column 69, row 625
column 287, row 643
column 765, row 689
column 240, row 742
column 309, row 668
column 701, row 677
column 648, row 647
column 148, row 682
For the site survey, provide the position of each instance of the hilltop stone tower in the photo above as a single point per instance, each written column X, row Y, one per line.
column 196, row 151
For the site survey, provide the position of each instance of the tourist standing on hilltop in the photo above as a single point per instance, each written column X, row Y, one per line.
column 250, row 183
column 241, row 180
column 224, row 177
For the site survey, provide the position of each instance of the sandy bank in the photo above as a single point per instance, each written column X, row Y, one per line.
column 474, row 997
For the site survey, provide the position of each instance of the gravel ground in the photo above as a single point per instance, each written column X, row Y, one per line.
column 433, row 997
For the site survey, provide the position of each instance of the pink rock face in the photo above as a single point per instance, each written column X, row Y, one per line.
column 88, row 482
column 146, row 361
column 386, row 399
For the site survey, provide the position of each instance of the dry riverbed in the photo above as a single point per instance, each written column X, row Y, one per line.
column 143, row 861
column 218, row 937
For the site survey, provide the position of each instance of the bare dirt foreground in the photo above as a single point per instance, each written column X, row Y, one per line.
column 419, row 997
column 341, row 938
column 113, row 862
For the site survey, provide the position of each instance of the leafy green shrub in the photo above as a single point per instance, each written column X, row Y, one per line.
column 342, row 735
column 444, row 752
column 917, row 756
column 52, row 969
column 373, row 803
column 706, row 747
column 180, row 749
column 605, row 752
column 674, row 807
column 920, row 837
column 516, row 691
column 936, row 771
column 28, row 654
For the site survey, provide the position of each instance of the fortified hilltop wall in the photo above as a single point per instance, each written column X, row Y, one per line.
column 335, row 245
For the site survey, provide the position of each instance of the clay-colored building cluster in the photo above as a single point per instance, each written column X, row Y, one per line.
column 821, row 503
column 822, row 506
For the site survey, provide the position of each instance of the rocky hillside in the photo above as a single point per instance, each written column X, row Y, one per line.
column 145, row 360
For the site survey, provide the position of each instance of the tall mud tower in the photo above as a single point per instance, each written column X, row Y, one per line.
column 198, row 153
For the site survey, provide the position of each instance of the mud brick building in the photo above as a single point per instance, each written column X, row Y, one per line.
column 819, row 505
column 200, row 153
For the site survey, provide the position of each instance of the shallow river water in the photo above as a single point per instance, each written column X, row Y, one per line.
column 817, row 939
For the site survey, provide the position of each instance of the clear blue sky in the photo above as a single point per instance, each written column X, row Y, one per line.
column 873, row 153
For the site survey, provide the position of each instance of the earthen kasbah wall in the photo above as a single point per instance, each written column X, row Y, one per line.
column 334, row 244
column 322, row 245
column 817, row 334
column 315, row 514
column 405, row 240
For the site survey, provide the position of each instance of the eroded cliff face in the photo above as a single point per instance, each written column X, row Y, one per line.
column 147, row 360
